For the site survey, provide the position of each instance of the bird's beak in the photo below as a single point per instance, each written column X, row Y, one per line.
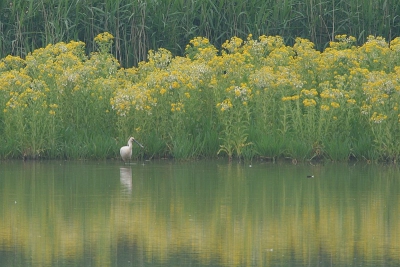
column 138, row 143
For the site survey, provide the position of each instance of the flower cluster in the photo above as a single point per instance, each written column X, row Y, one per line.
column 161, row 58
column 233, row 45
column 177, row 107
column 290, row 98
column 200, row 48
column 242, row 92
column 309, row 102
column 225, row 105
column 378, row 118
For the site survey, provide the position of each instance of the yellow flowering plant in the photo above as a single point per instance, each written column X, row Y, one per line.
column 253, row 97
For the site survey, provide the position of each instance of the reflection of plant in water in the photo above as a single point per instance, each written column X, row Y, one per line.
column 154, row 218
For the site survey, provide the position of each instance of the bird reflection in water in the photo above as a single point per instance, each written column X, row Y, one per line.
column 125, row 177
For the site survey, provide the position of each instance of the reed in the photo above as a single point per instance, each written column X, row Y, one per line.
column 140, row 26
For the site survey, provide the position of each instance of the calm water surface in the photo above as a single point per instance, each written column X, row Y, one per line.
column 206, row 213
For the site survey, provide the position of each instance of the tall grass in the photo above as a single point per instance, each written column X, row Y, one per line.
column 139, row 26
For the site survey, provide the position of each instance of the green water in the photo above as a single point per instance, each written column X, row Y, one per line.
column 206, row 213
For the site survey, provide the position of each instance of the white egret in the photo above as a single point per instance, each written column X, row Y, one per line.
column 126, row 151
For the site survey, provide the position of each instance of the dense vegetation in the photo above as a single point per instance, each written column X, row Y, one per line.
column 254, row 97
column 140, row 25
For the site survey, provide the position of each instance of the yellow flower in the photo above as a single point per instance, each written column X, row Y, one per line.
column 335, row 104
column 103, row 37
column 378, row 118
column 309, row 93
column 225, row 105
column 325, row 107
column 325, row 95
column 309, row 102
column 175, row 85
column 289, row 98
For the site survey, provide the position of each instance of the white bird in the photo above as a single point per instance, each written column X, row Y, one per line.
column 126, row 151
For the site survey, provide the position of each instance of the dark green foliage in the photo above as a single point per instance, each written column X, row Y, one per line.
column 140, row 25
